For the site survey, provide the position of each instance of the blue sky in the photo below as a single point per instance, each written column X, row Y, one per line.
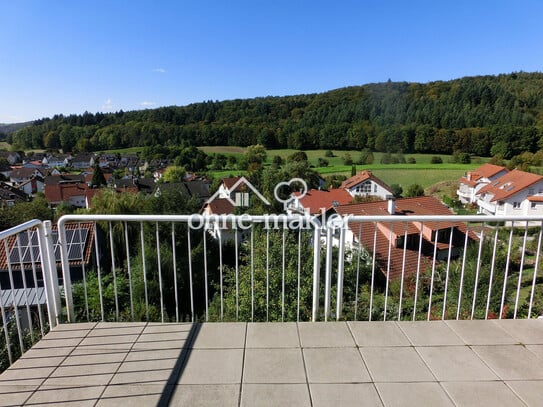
column 75, row 56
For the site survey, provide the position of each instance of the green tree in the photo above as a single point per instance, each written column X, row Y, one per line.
column 174, row 173
column 98, row 178
column 414, row 190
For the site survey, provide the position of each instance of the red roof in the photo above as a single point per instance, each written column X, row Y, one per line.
column 229, row 182
column 361, row 177
column 365, row 232
column 63, row 192
column 318, row 200
column 487, row 171
column 535, row 198
column 510, row 184
column 220, row 206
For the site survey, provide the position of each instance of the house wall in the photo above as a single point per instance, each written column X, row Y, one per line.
column 376, row 190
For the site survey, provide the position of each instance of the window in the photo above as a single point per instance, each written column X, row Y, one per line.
column 365, row 188
column 516, row 205
column 533, row 205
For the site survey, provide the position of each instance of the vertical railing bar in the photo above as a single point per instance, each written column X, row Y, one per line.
column 491, row 278
column 417, row 276
column 536, row 267
column 477, row 270
column 189, row 256
column 403, row 271
column 299, row 271
column 236, row 244
column 174, row 260
column 316, row 270
column 13, row 300
column 25, row 287
column 205, row 274
column 113, row 267
column 521, row 270
column 373, row 256
column 267, row 274
column 341, row 269
column 433, row 273
column 283, row 274
column 144, row 269
column 358, row 271
column 159, row 264
column 447, row 273
column 4, row 321
column 221, row 276
column 506, row 276
column 35, row 276
column 252, row 275
column 128, row 266
column 84, row 270
column 98, row 271
column 388, row 271
column 50, row 274
column 328, row 276
column 461, row 286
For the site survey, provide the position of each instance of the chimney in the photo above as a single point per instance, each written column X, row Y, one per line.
column 391, row 204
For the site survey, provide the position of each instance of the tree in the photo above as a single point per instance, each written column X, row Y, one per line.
column 414, row 190
column 436, row 160
column 174, row 173
column 397, row 190
column 98, row 178
column 347, row 159
column 322, row 162
column 256, row 154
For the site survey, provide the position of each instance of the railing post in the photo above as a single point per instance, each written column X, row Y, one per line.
column 316, row 270
column 66, row 271
column 50, row 274
column 340, row 269
column 328, row 275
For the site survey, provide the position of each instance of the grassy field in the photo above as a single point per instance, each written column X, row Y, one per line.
column 4, row 145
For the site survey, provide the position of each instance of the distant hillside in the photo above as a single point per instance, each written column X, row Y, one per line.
column 483, row 115
column 12, row 127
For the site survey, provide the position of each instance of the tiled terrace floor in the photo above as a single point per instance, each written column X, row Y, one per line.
column 463, row 363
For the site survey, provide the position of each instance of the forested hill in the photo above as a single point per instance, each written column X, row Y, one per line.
column 483, row 115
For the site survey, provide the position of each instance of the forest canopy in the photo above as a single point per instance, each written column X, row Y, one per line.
column 482, row 115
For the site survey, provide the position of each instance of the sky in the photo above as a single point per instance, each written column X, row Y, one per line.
column 69, row 57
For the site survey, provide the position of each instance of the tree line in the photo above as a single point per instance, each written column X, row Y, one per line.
column 482, row 115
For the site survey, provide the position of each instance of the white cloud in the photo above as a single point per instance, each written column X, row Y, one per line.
column 147, row 103
column 108, row 105
column 159, row 70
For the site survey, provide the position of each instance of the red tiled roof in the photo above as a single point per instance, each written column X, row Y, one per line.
column 220, row 206
column 535, row 198
column 510, row 184
column 63, row 192
column 229, row 182
column 316, row 200
column 361, row 177
column 365, row 232
column 484, row 171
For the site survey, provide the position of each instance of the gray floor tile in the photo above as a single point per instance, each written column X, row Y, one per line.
column 58, row 343
column 26, row 363
column 157, row 327
column 72, row 395
column 335, row 365
column 116, row 325
column 273, row 395
column 74, row 327
column 378, row 333
column 116, row 331
column 202, row 395
column 15, row 394
column 165, row 344
column 29, row 376
column 429, row 333
column 531, row 392
column 478, row 394
column 130, row 394
column 413, row 394
column 272, row 335
column 455, row 363
column 78, row 380
column 344, row 395
column 325, row 334
column 536, row 349
column 153, row 355
column 479, row 333
column 273, row 366
column 220, row 335
column 527, row 331
column 43, row 353
column 213, row 366
column 161, row 377
column 395, row 364
column 127, row 340
column 511, row 362
column 67, row 333
column 94, row 359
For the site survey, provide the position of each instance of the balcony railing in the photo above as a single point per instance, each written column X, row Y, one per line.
column 266, row 268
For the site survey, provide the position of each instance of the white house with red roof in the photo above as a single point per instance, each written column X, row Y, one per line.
column 515, row 193
column 472, row 182
column 397, row 244
column 317, row 202
column 366, row 184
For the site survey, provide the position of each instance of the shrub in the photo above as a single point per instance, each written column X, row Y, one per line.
column 436, row 160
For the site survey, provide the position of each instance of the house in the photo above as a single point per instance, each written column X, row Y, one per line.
column 56, row 160
column 22, row 174
column 317, row 202
column 472, row 182
column 10, row 195
column 71, row 193
column 366, row 184
column 390, row 238
column 32, row 186
column 64, row 179
column 515, row 193
column 12, row 157
column 239, row 191
column 82, row 160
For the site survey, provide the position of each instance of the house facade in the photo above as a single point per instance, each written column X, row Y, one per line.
column 472, row 182
column 366, row 184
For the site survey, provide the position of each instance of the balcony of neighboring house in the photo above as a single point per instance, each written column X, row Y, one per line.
column 151, row 310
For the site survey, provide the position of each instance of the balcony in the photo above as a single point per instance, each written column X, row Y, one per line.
column 152, row 310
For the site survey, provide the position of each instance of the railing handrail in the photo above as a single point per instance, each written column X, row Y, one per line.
column 4, row 234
